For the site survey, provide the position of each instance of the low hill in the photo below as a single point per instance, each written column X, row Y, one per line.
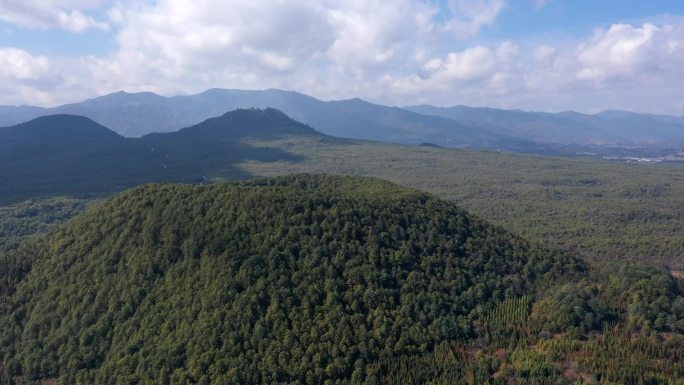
column 65, row 154
column 312, row 279
column 73, row 155
column 58, row 130
column 302, row 279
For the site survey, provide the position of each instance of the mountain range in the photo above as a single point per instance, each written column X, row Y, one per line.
column 138, row 114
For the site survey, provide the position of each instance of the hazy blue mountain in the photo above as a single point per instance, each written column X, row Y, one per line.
column 616, row 114
column 542, row 127
column 608, row 127
column 11, row 115
column 134, row 115
column 138, row 114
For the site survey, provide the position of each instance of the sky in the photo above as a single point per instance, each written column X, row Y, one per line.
column 541, row 55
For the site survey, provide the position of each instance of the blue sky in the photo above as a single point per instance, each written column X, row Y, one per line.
column 526, row 19
column 532, row 54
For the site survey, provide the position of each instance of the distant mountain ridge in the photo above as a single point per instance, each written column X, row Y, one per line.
column 138, row 114
column 605, row 128
column 135, row 115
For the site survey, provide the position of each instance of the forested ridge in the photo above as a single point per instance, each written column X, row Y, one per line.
column 316, row 279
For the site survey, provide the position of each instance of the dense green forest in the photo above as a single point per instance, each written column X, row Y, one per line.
column 21, row 221
column 602, row 211
column 605, row 212
column 324, row 280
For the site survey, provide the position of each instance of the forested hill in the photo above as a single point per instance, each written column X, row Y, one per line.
column 321, row 280
column 300, row 279
column 58, row 130
column 72, row 155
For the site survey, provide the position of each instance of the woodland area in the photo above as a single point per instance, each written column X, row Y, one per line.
column 314, row 279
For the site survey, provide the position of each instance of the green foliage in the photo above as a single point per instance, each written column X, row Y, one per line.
column 507, row 325
column 579, row 307
column 531, row 364
column 648, row 296
column 18, row 222
column 619, row 356
column 605, row 212
column 27, row 218
column 302, row 279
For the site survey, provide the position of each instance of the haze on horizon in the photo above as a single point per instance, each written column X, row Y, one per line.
column 541, row 55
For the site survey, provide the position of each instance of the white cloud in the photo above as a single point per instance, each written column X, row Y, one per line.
column 507, row 53
column 624, row 52
column 20, row 65
column 544, row 55
column 469, row 65
column 620, row 51
column 624, row 66
column 59, row 14
column 247, row 43
column 469, row 16
column 400, row 52
column 26, row 77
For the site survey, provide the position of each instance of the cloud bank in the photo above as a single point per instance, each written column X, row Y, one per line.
column 400, row 52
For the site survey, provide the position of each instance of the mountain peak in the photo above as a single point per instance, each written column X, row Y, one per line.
column 60, row 128
column 121, row 97
column 250, row 122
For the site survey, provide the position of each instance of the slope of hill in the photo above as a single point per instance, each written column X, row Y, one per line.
column 300, row 279
column 17, row 222
column 72, row 155
column 63, row 154
column 22, row 221
column 314, row 279
column 58, row 130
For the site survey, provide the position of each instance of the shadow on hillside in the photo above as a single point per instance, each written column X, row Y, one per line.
column 86, row 172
